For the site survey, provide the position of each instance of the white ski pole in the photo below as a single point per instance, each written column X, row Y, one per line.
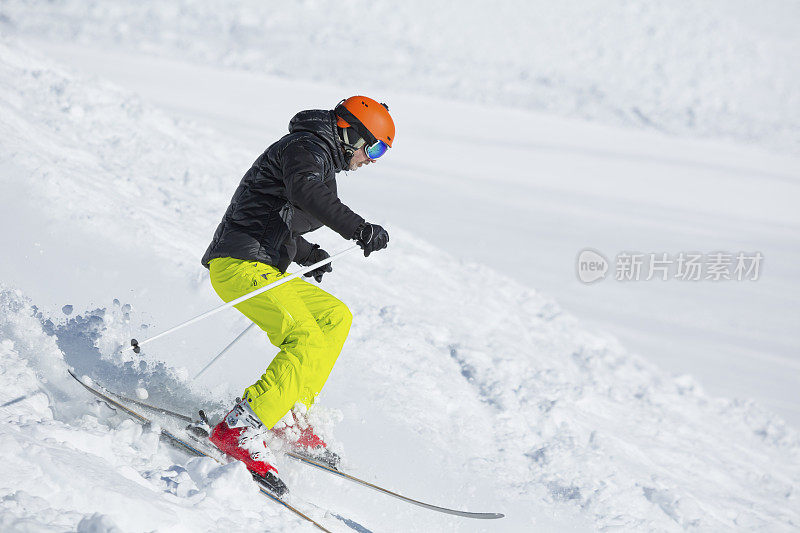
column 228, row 347
column 136, row 345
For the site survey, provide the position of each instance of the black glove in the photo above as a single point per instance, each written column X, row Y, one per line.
column 317, row 254
column 371, row 238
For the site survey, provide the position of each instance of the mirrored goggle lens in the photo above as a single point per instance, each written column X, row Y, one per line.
column 374, row 151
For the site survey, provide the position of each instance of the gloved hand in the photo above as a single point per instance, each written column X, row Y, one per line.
column 317, row 254
column 371, row 238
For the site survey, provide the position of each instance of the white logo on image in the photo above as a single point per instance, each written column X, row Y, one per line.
column 591, row 265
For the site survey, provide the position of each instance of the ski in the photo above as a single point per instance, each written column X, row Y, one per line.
column 322, row 466
column 310, row 461
column 263, row 485
column 152, row 407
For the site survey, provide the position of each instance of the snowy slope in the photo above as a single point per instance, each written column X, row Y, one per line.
column 711, row 68
column 530, row 189
column 526, row 207
column 489, row 396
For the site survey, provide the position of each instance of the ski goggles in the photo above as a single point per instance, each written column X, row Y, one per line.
column 376, row 149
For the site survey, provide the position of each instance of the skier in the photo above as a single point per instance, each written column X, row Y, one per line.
column 291, row 190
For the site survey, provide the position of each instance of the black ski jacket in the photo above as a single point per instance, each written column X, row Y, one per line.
column 290, row 190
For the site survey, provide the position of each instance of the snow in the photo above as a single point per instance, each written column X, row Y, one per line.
column 459, row 384
column 568, row 186
column 708, row 68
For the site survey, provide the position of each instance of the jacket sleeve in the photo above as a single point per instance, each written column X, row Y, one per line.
column 303, row 170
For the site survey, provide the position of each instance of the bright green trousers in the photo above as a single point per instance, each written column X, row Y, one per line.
column 305, row 322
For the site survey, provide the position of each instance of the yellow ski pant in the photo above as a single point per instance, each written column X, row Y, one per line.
column 305, row 322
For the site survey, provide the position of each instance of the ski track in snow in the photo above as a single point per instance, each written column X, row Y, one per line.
column 485, row 393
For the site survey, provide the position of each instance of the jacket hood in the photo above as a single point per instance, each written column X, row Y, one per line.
column 321, row 123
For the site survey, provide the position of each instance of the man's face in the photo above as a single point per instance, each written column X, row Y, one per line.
column 359, row 158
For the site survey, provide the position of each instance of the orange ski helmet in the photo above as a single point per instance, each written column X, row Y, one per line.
column 369, row 118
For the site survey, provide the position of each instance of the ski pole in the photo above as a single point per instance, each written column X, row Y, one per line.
column 228, row 347
column 136, row 345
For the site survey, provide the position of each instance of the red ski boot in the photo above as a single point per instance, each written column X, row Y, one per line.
column 302, row 440
column 231, row 436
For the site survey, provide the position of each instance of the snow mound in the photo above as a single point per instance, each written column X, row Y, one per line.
column 97, row 523
column 70, row 462
column 113, row 147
